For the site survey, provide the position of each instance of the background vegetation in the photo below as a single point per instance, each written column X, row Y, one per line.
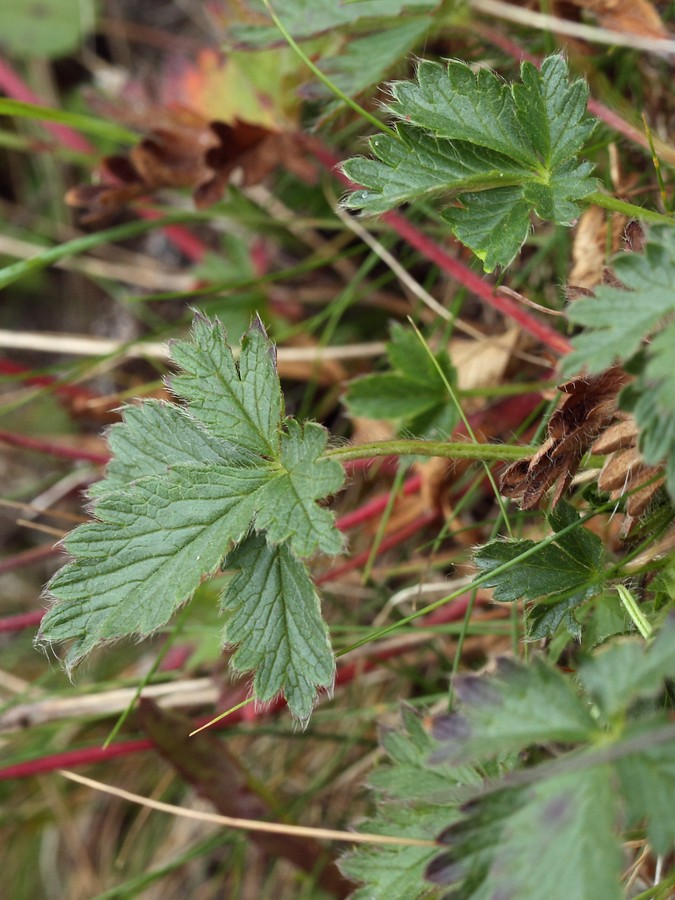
column 159, row 159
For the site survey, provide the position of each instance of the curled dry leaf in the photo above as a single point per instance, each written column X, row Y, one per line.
column 587, row 410
column 589, row 250
column 186, row 150
column 588, row 418
column 624, row 470
column 638, row 17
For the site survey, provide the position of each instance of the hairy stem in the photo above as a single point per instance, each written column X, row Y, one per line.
column 487, row 452
column 634, row 611
column 630, row 209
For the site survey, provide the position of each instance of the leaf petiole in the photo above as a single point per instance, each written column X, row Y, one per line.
column 629, row 209
column 333, row 88
column 409, row 447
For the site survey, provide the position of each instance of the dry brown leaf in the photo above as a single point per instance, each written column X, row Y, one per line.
column 590, row 250
column 587, row 410
column 185, row 150
column 483, row 363
column 637, row 17
column 624, row 471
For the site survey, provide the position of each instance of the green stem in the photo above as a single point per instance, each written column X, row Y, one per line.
column 478, row 581
column 53, row 254
column 333, row 88
column 634, row 611
column 629, row 209
column 489, row 452
column 89, row 124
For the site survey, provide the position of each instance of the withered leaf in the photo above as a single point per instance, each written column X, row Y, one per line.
column 186, row 150
column 637, row 17
column 588, row 408
column 624, row 471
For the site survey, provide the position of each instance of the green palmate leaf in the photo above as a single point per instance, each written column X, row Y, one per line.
column 155, row 436
column 554, row 830
column 619, row 674
column 616, row 320
column 414, row 395
column 648, row 784
column 185, row 486
column 241, row 404
column 506, row 713
column 504, row 151
column 616, row 323
column 414, row 800
column 275, row 619
column 553, row 840
column 286, row 506
column 154, row 542
column 397, row 873
column 564, row 573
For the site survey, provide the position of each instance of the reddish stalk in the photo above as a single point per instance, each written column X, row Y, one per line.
column 20, row 622
column 453, row 267
column 52, row 449
column 66, row 391
column 347, row 671
column 474, row 283
column 392, row 541
column 18, row 561
column 374, row 507
column 181, row 237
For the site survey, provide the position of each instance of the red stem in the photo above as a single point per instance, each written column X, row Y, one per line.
column 347, row 671
column 18, row 561
column 67, row 391
column 181, row 237
column 474, row 283
column 374, row 507
column 392, row 541
column 59, row 450
column 20, row 622
column 456, row 269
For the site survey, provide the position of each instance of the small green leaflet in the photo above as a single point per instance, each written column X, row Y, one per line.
column 511, row 710
column 228, row 474
column 561, row 574
column 273, row 596
column 616, row 323
column 502, row 151
column 414, row 394
column 554, row 829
